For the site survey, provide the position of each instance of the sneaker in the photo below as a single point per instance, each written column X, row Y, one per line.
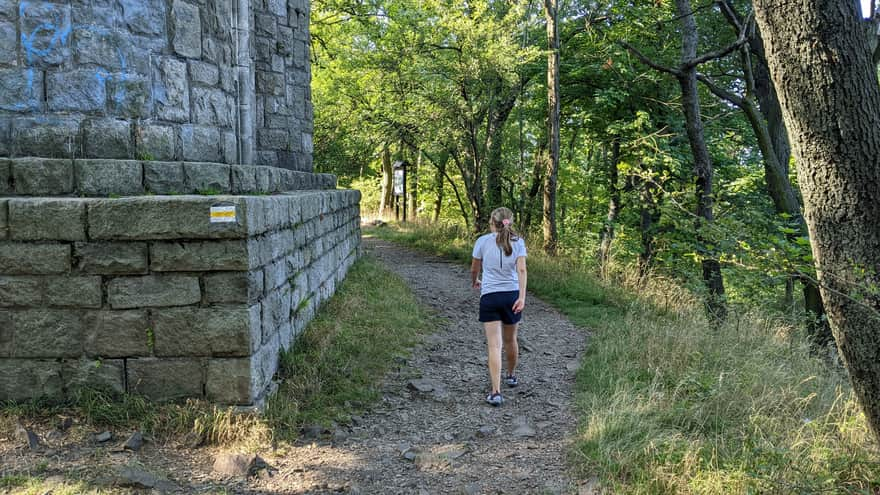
column 511, row 381
column 494, row 399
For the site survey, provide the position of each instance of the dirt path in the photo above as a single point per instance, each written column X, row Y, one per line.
column 432, row 432
column 445, row 439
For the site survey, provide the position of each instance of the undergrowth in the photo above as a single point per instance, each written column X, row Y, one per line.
column 669, row 403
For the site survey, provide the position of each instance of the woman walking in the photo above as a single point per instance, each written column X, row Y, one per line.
column 501, row 257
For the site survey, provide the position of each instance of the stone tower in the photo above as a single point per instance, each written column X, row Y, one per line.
column 198, row 80
column 161, row 230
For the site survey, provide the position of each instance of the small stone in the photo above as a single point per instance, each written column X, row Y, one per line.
column 340, row 435
column 410, row 455
column 26, row 436
column 134, row 442
column 523, row 429
column 313, row 431
column 104, row 436
column 485, row 431
column 131, row 476
column 471, row 489
column 572, row 366
column 64, row 423
column 236, row 465
column 421, row 385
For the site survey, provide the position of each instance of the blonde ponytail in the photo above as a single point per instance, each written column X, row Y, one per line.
column 501, row 218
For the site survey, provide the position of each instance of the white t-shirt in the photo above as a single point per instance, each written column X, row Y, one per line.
column 499, row 270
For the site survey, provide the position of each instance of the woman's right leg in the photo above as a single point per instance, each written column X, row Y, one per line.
column 493, row 346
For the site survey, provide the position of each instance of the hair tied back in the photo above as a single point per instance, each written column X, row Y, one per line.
column 506, row 222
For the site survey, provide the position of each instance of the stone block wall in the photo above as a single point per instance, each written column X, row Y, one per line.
column 146, row 294
column 193, row 80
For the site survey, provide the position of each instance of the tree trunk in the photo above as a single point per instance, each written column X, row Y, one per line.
column 649, row 201
column 438, row 184
column 690, row 101
column 495, row 139
column 413, row 183
column 614, row 206
column 385, row 202
column 820, row 61
column 551, row 12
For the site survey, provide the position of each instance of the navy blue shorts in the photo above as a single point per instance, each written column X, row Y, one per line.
column 497, row 306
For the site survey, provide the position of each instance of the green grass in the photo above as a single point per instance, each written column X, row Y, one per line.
column 669, row 404
column 332, row 372
column 336, row 368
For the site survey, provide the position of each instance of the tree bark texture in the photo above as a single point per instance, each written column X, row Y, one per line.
column 821, row 64
column 690, row 102
column 551, row 12
column 385, row 203
column 606, row 236
column 650, row 199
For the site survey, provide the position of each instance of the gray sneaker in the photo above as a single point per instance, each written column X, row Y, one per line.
column 494, row 399
column 511, row 381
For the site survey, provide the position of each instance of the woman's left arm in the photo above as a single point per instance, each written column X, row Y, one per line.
column 522, row 275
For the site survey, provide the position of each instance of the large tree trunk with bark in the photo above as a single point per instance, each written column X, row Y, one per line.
column 690, row 102
column 551, row 12
column 820, row 61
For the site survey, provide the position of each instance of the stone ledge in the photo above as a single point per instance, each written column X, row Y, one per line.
column 43, row 177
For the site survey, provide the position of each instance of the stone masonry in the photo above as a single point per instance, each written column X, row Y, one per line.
column 145, row 294
column 193, row 80
column 161, row 230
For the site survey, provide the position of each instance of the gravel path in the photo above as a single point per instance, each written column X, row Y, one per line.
column 432, row 432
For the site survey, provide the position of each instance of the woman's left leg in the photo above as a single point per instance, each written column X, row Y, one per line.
column 493, row 346
column 511, row 347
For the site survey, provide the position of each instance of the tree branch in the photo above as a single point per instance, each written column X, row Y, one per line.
column 650, row 63
column 741, row 39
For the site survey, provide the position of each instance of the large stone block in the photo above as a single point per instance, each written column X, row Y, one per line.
column 25, row 379
column 153, row 291
column 144, row 16
column 202, row 332
column 211, row 106
column 229, row 381
column 5, row 176
column 198, row 256
column 109, row 51
column 45, row 32
column 230, row 147
column 130, row 96
column 46, row 136
column 204, row 73
column 164, row 177
column 101, row 374
column 111, row 258
column 21, row 89
column 171, row 90
column 38, row 259
column 109, row 177
column 186, row 29
column 76, row 91
column 47, row 333
column 154, row 142
column 233, row 287
column 107, row 138
column 35, row 219
column 72, row 292
column 209, row 178
column 200, row 143
column 165, row 217
column 270, row 83
column 20, row 291
column 119, row 334
column 244, row 179
column 166, row 379
column 42, row 176
column 8, row 43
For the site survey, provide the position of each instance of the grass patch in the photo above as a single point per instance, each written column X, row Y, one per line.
column 332, row 372
column 337, row 366
column 670, row 404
